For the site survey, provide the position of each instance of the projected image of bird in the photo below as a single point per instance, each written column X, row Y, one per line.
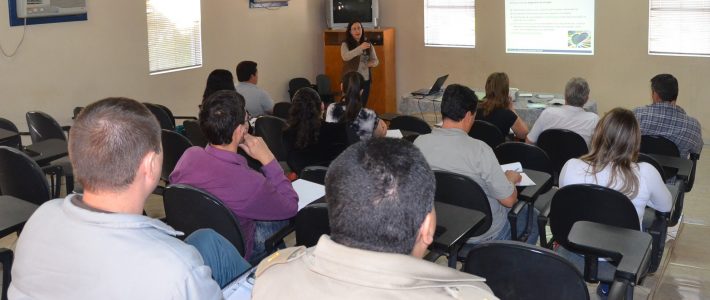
column 579, row 39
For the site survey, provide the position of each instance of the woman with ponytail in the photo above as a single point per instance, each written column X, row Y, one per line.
column 308, row 139
column 363, row 121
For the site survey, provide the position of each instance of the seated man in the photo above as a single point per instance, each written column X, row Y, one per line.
column 380, row 195
column 98, row 245
column 220, row 171
column 571, row 116
column 258, row 102
column 449, row 148
column 665, row 118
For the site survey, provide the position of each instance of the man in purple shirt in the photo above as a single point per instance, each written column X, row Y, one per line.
column 219, row 170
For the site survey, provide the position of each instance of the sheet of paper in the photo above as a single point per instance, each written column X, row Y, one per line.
column 544, row 96
column 537, row 105
column 307, row 192
column 394, row 133
column 517, row 167
column 525, row 95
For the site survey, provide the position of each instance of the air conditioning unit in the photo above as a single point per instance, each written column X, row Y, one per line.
column 49, row 8
column 268, row 1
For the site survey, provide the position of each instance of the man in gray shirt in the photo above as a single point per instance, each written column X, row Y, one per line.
column 258, row 101
column 98, row 245
column 449, row 148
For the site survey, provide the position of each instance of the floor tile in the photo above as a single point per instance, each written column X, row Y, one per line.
column 691, row 247
column 680, row 282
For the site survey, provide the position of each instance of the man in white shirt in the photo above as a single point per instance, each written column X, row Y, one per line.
column 258, row 101
column 570, row 116
column 98, row 245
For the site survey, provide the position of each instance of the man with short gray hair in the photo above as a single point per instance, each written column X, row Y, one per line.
column 571, row 116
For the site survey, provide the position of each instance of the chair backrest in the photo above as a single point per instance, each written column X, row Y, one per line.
column 174, row 145
column 487, row 132
column 281, row 109
column 188, row 209
column 43, row 127
column 589, row 202
column 295, row 84
column 314, row 174
column 656, row 144
column 530, row 156
column 410, row 123
column 6, row 259
column 21, row 177
column 323, row 87
column 161, row 115
column 459, row 190
column 561, row 145
column 515, row 270
column 271, row 130
column 15, row 142
column 194, row 133
column 169, row 112
column 650, row 160
column 311, row 222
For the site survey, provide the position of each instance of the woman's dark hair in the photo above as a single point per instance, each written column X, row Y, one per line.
column 219, row 79
column 350, row 40
column 352, row 87
column 497, row 90
column 305, row 117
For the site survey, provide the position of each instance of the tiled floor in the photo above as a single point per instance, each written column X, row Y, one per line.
column 684, row 272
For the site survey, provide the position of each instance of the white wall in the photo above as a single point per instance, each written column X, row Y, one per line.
column 63, row 65
column 618, row 73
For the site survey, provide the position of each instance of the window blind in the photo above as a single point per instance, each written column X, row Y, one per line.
column 679, row 27
column 450, row 23
column 174, row 35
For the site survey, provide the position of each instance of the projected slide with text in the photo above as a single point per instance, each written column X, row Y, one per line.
column 549, row 26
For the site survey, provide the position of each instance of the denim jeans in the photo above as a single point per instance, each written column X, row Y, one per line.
column 218, row 254
column 262, row 231
column 505, row 233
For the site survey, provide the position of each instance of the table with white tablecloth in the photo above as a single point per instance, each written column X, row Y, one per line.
column 528, row 105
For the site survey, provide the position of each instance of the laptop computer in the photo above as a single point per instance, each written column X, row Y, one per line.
column 434, row 89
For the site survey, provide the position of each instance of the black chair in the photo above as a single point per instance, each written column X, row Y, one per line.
column 410, row 123
column 323, row 87
column 21, row 177
column 6, row 258
column 533, row 158
column 561, row 145
column 76, row 111
column 310, row 223
column 164, row 119
column 15, row 142
column 459, row 190
column 281, row 109
column 650, row 160
column 296, row 84
column 314, row 174
column 271, row 130
column 487, row 132
column 43, row 127
column 188, row 209
column 656, row 144
column 194, row 133
column 174, row 145
column 515, row 270
column 594, row 203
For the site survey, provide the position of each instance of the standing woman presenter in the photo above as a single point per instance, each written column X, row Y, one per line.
column 358, row 55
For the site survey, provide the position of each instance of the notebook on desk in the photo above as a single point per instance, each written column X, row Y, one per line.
column 434, row 88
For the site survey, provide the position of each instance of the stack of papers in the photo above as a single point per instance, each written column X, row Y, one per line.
column 517, row 167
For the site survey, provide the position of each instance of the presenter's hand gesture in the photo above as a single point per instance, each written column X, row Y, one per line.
column 255, row 147
column 365, row 46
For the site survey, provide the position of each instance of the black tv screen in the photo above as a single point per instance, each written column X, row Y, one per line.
column 346, row 11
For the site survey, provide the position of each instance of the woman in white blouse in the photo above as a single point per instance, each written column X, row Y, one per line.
column 358, row 55
column 611, row 162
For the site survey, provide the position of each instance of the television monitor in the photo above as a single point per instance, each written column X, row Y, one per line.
column 341, row 12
